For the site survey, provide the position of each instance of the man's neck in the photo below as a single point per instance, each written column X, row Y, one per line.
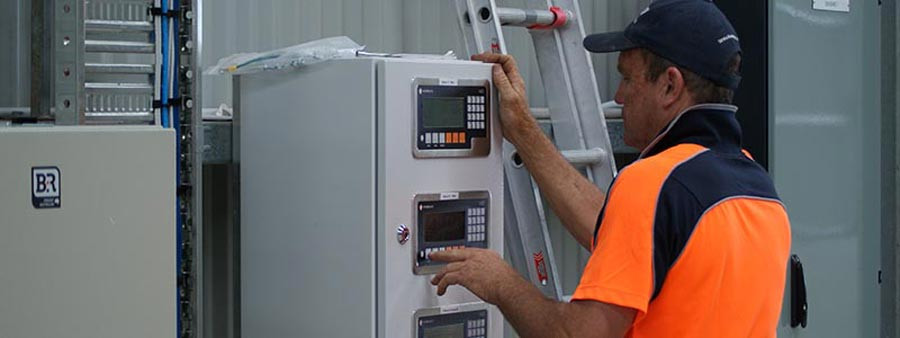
column 671, row 113
column 677, row 108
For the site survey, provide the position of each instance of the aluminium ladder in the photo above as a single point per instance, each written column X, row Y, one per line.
column 574, row 106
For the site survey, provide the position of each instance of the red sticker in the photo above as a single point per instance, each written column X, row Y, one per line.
column 540, row 267
column 495, row 46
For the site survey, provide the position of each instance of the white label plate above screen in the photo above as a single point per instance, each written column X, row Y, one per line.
column 832, row 5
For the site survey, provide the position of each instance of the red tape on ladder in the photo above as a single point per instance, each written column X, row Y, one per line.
column 559, row 21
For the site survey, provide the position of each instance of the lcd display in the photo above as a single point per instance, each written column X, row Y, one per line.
column 445, row 226
column 444, row 112
column 446, row 331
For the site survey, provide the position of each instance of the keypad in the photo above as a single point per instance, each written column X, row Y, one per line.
column 476, row 328
column 476, row 223
column 475, row 109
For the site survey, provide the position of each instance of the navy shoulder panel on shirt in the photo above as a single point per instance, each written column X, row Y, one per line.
column 692, row 188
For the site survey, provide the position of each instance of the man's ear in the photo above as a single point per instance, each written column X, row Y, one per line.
column 675, row 88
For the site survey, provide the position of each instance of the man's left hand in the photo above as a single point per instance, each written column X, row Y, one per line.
column 481, row 271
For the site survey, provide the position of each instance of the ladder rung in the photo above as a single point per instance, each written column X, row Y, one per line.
column 118, row 87
column 614, row 112
column 584, row 157
column 540, row 113
column 118, row 68
column 102, row 46
column 117, row 26
column 524, row 17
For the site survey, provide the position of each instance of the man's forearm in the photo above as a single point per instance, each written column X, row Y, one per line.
column 575, row 200
column 530, row 312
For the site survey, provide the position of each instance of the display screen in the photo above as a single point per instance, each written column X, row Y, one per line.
column 444, row 112
column 445, row 226
column 447, row 331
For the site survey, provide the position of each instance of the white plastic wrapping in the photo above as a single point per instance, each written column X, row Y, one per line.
column 308, row 53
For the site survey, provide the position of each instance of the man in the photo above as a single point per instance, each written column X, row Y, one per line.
column 691, row 239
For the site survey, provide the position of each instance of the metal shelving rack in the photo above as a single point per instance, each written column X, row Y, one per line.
column 104, row 59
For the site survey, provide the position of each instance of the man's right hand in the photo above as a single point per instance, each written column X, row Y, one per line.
column 515, row 115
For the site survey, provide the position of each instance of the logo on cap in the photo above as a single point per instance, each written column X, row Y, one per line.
column 728, row 37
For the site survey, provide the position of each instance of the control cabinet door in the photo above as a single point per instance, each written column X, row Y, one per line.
column 404, row 174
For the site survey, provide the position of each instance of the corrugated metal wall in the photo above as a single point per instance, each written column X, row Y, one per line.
column 412, row 26
column 419, row 26
column 231, row 26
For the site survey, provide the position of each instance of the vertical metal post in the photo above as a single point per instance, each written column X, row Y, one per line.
column 236, row 183
column 890, row 173
column 68, row 61
column 187, row 41
column 195, row 113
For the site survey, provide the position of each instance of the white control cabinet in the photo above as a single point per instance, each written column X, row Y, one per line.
column 352, row 171
column 87, row 232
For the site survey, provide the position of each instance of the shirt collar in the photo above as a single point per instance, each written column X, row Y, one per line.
column 712, row 125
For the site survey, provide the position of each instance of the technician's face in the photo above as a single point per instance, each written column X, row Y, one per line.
column 642, row 108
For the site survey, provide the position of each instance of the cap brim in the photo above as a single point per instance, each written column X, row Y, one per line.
column 608, row 42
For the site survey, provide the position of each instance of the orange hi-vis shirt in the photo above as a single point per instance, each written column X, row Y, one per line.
column 692, row 235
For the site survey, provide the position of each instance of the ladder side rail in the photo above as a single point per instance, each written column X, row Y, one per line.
column 511, row 235
column 544, row 242
column 530, row 228
column 559, row 89
column 480, row 35
column 465, row 28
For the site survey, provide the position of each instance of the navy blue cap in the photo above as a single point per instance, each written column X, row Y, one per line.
column 693, row 34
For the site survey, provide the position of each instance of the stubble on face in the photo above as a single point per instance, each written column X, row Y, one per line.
column 637, row 100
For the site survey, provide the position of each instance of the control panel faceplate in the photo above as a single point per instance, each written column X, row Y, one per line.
column 448, row 221
column 452, row 118
column 433, row 323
